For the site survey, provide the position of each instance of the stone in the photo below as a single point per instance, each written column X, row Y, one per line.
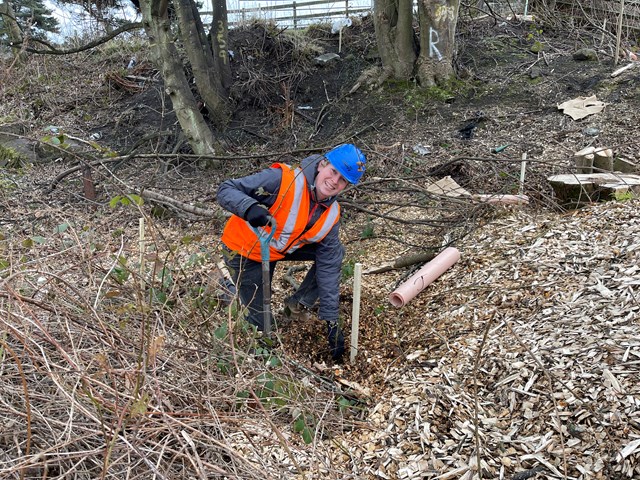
column 16, row 153
column 534, row 73
column 326, row 58
column 585, row 54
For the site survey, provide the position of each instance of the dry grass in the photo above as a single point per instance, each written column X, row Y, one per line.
column 110, row 369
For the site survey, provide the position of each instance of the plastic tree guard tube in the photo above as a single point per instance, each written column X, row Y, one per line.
column 423, row 277
column 506, row 199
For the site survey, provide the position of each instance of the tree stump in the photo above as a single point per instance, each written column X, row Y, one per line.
column 579, row 189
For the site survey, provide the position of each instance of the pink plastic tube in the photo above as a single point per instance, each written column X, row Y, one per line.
column 423, row 277
column 506, row 199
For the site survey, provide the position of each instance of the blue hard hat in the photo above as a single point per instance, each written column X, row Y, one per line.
column 348, row 160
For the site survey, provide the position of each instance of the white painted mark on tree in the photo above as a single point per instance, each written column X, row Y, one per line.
column 445, row 14
column 221, row 42
column 434, row 38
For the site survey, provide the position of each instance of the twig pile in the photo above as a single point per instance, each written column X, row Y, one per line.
column 112, row 367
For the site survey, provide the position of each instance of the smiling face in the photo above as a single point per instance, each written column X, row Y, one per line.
column 329, row 182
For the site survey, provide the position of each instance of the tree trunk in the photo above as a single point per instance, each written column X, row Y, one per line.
column 13, row 30
column 438, row 19
column 431, row 62
column 203, row 63
column 394, row 32
column 158, row 28
column 218, row 34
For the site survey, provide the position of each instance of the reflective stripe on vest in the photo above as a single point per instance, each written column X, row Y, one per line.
column 279, row 242
column 330, row 218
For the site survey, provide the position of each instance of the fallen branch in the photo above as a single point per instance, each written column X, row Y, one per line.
column 623, row 69
column 402, row 262
column 176, row 204
column 289, row 275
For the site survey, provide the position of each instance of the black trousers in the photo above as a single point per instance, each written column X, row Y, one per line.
column 247, row 276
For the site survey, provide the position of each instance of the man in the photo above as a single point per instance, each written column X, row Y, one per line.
column 302, row 201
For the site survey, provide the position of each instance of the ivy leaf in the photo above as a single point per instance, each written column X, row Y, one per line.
column 221, row 332
column 62, row 227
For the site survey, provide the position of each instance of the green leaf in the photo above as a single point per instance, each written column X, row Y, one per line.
column 307, row 435
column 221, row 332
column 274, row 361
column 139, row 407
column 268, row 386
column 38, row 239
column 299, row 425
column 223, row 367
column 62, row 227
column 137, row 199
column 114, row 201
column 159, row 295
column 344, row 404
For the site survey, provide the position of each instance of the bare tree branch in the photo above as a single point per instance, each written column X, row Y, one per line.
column 52, row 50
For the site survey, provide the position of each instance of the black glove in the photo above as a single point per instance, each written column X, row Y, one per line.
column 336, row 340
column 257, row 215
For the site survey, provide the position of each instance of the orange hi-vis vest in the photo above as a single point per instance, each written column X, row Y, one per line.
column 291, row 212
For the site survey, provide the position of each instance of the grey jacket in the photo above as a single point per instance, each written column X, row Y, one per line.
column 237, row 195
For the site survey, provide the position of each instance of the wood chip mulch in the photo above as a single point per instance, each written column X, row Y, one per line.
column 531, row 358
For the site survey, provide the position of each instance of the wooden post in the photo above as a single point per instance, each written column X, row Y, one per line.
column 355, row 314
column 523, row 169
column 87, row 183
column 295, row 16
column 141, row 251
column 346, row 8
column 619, row 33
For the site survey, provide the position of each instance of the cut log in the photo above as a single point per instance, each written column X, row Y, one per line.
column 603, row 160
column 402, row 262
column 584, row 160
column 584, row 188
column 625, row 166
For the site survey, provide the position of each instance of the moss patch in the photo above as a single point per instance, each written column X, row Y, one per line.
column 11, row 158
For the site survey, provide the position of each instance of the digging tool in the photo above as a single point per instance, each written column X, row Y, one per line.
column 264, row 238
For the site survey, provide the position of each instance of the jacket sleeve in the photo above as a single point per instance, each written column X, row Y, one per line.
column 329, row 255
column 237, row 195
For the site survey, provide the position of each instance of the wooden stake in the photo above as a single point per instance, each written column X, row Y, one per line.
column 619, row 33
column 523, row 169
column 141, row 250
column 355, row 314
